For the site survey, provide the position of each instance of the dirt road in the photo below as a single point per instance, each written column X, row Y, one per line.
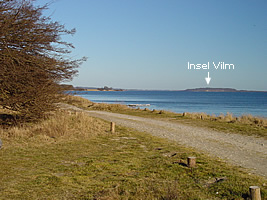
column 245, row 151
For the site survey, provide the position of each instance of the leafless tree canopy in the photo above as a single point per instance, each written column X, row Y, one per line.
column 33, row 58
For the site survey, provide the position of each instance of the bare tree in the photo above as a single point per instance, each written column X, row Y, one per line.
column 33, row 58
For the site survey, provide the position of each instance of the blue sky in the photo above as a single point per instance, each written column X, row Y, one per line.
column 146, row 44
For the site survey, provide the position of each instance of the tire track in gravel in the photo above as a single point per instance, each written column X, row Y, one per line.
column 246, row 151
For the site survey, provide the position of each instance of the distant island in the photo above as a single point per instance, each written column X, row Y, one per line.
column 218, row 90
column 211, row 90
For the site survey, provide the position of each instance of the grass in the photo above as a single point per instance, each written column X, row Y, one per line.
column 59, row 125
column 73, row 156
column 70, row 155
column 247, row 124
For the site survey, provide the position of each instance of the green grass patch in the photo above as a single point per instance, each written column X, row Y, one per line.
column 125, row 165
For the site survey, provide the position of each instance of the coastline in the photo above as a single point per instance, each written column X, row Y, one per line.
column 217, row 103
column 187, row 90
column 246, row 124
column 206, row 89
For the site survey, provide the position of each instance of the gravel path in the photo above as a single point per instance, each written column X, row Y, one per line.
column 245, row 151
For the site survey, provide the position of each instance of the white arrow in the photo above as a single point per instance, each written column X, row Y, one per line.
column 208, row 79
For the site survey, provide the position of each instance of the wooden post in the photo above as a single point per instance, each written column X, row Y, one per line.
column 191, row 162
column 112, row 127
column 184, row 114
column 255, row 193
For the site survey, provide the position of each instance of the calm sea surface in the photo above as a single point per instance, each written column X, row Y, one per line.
column 237, row 103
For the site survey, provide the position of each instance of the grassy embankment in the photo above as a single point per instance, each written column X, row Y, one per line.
column 74, row 156
column 247, row 124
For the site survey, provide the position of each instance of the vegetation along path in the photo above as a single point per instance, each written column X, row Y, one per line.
column 245, row 151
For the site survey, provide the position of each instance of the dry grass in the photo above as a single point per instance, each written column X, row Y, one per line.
column 249, row 119
column 60, row 125
column 197, row 115
column 108, row 107
column 84, row 103
column 230, row 118
column 77, row 101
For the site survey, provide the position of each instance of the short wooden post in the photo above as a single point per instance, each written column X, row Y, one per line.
column 184, row 114
column 112, row 127
column 255, row 193
column 191, row 162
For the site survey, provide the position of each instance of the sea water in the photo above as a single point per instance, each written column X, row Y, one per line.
column 237, row 103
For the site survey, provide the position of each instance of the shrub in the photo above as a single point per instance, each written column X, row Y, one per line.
column 33, row 59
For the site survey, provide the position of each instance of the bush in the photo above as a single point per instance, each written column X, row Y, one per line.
column 33, row 59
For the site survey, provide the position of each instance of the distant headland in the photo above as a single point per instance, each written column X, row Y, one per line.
column 106, row 88
column 72, row 88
